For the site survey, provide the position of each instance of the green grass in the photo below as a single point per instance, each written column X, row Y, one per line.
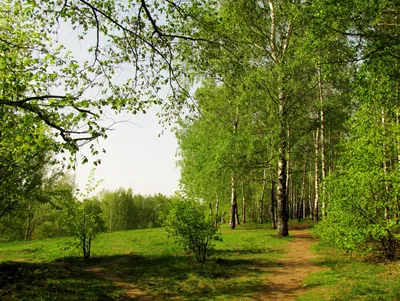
column 51, row 269
column 348, row 278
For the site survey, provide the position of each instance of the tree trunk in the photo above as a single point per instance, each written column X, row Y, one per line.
column 216, row 210
column 322, row 134
column 237, row 214
column 232, row 215
column 385, row 163
column 278, row 55
column 243, row 205
column 303, row 191
column 311, row 195
column 261, row 202
column 316, row 200
column 28, row 232
column 272, row 206
column 223, row 220
column 289, row 197
column 282, row 218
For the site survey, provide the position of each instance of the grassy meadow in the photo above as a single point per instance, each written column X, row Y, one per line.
column 157, row 268
column 147, row 265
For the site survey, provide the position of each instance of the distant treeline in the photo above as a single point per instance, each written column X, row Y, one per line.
column 119, row 210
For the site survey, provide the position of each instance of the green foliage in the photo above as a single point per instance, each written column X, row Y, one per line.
column 363, row 193
column 37, row 213
column 186, row 221
column 122, row 210
column 83, row 221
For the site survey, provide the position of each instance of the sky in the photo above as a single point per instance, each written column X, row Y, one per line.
column 138, row 156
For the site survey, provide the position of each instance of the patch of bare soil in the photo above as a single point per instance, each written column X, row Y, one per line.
column 284, row 282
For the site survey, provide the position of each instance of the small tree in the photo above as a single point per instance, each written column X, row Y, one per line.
column 84, row 223
column 190, row 225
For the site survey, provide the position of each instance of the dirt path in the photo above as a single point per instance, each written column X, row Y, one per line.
column 130, row 290
column 284, row 282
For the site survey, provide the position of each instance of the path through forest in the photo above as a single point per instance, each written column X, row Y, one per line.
column 284, row 282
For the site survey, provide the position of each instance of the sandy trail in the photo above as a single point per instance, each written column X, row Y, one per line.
column 284, row 282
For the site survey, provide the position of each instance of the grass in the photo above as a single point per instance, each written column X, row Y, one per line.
column 348, row 278
column 141, row 261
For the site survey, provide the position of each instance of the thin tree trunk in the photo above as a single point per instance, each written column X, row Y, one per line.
column 232, row 215
column 289, row 197
column 216, row 209
column 385, row 163
column 243, row 205
column 237, row 214
column 303, row 191
column 277, row 56
column 223, row 214
column 316, row 200
column 28, row 224
column 310, row 196
column 322, row 134
column 272, row 206
column 261, row 201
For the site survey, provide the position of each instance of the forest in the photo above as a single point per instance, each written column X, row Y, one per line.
column 287, row 117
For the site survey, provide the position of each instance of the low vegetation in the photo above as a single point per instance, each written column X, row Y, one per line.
column 145, row 259
column 349, row 277
column 189, row 224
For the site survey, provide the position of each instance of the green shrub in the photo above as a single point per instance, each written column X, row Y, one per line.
column 190, row 225
column 83, row 221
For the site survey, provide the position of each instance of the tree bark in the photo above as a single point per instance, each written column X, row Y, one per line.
column 316, row 200
column 232, row 215
column 28, row 232
column 243, row 205
column 216, row 210
column 322, row 138
column 310, row 195
column 272, row 205
column 223, row 221
column 385, row 163
column 261, row 201
column 278, row 54
column 303, row 192
column 282, row 215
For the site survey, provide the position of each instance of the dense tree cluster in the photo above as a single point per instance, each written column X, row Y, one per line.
column 298, row 115
column 61, row 214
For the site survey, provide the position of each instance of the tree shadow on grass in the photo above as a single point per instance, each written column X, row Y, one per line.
column 176, row 277
column 180, row 277
column 53, row 281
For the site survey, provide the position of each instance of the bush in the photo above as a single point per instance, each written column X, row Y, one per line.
column 83, row 221
column 187, row 221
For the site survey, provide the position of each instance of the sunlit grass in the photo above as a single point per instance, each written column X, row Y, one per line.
column 350, row 278
column 150, row 260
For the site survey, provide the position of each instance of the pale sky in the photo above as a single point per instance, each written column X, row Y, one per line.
column 136, row 157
